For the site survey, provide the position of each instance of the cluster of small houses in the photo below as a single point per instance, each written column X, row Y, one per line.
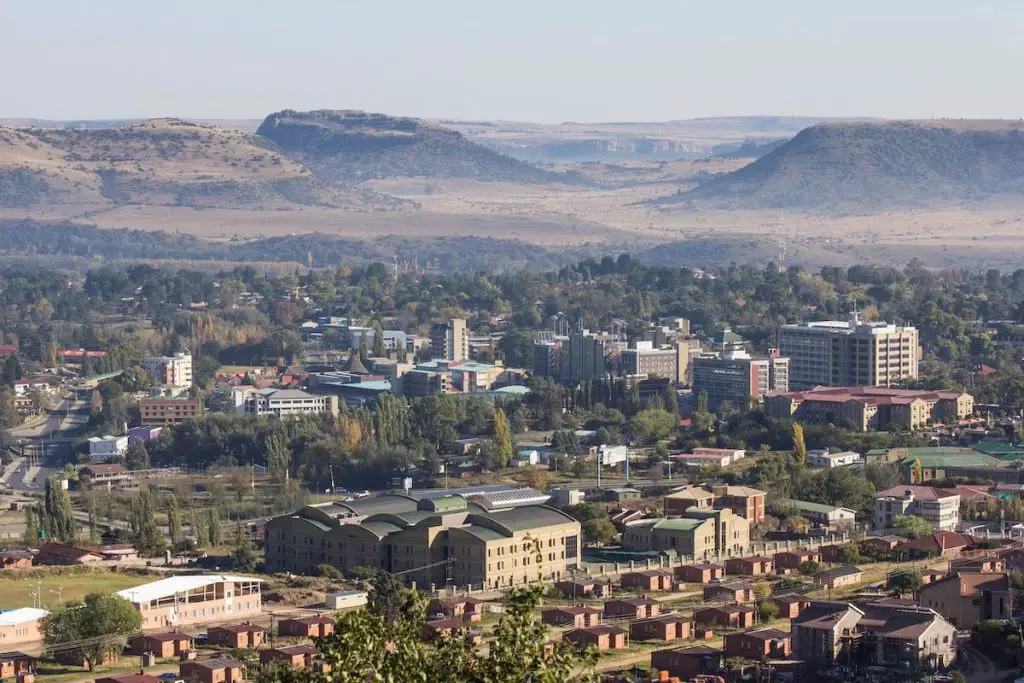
column 896, row 633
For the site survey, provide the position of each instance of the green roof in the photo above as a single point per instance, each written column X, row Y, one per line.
column 679, row 524
column 944, row 458
column 530, row 517
column 444, row 504
column 482, row 532
column 998, row 448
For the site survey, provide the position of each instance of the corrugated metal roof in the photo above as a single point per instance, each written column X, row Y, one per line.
column 178, row 584
column 530, row 517
column 510, row 498
column 21, row 615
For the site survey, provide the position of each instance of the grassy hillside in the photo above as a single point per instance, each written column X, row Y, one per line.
column 163, row 163
column 876, row 165
column 357, row 146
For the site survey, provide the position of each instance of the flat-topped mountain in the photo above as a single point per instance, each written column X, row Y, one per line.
column 876, row 165
column 164, row 162
column 356, row 146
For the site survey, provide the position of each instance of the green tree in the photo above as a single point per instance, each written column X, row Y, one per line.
column 911, row 525
column 147, row 539
column 387, row 646
column 197, row 523
column 767, row 611
column 94, row 519
column 599, row 531
column 702, row 402
column 104, row 621
column 652, row 424
column 809, row 568
column 882, row 475
column 502, row 439
column 213, row 526
column 137, row 456
column 58, row 515
column 173, row 519
column 799, row 445
column 378, row 340
column 243, row 557
column 849, row 554
column 31, row 536
column 279, row 456
column 364, row 349
column 905, row 581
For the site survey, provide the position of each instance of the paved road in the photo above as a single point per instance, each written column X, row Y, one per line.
column 69, row 415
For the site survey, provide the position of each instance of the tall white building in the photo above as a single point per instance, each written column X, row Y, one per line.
column 174, row 370
column 849, row 353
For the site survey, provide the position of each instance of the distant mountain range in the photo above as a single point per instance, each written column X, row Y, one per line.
column 875, row 165
column 355, row 146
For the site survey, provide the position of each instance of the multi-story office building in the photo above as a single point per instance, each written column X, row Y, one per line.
column 840, row 353
column 282, row 402
column 738, row 378
column 169, row 411
column 672, row 362
column 443, row 540
column 174, row 370
column 939, row 507
column 450, row 340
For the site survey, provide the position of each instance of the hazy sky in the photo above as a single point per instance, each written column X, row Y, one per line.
column 548, row 60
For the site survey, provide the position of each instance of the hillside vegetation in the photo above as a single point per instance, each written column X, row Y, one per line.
column 163, row 163
column 357, row 146
column 874, row 166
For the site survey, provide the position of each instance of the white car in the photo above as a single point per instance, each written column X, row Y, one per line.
column 363, row 494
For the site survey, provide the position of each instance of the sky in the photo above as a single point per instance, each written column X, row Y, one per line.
column 545, row 61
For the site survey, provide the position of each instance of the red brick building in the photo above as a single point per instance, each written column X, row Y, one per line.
column 688, row 662
column 729, row 616
column 237, row 636
column 760, row 644
column 164, row 644
column 600, row 637
column 790, row 606
column 307, row 627
column 757, row 565
column 578, row 616
column 735, row 591
column 649, row 580
column 219, row 670
column 632, row 608
column 661, row 627
column 792, row 559
column 699, row 573
column 295, row 656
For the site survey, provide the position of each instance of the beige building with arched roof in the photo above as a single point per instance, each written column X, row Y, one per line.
column 438, row 540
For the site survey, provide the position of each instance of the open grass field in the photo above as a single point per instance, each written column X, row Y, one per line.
column 17, row 591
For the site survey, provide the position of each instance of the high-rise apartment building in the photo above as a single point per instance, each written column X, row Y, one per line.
column 738, row 378
column 450, row 340
column 584, row 356
column 849, row 353
column 547, row 351
column 174, row 370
